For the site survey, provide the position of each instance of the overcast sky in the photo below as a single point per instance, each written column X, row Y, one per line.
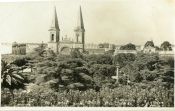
column 113, row 21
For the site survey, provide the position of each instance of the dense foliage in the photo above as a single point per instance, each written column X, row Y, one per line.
column 85, row 80
column 123, row 59
column 122, row 96
column 129, row 46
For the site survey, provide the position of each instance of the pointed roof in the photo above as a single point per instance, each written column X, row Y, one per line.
column 80, row 23
column 54, row 24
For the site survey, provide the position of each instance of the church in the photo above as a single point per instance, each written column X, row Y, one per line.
column 61, row 45
column 56, row 43
column 65, row 45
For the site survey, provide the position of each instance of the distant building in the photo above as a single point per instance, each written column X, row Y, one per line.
column 24, row 48
column 18, row 49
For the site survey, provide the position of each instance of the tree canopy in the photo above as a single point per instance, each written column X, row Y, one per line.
column 129, row 46
column 149, row 43
column 122, row 59
column 166, row 46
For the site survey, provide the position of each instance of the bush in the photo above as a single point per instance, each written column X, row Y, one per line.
column 121, row 96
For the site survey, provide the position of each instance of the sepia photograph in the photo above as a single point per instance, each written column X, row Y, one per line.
column 87, row 53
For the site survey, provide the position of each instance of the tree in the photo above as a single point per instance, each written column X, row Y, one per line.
column 167, row 72
column 146, row 61
column 149, row 75
column 157, row 48
column 99, row 59
column 123, row 79
column 166, row 46
column 104, row 59
column 102, row 73
column 75, row 53
column 20, row 61
column 66, row 72
column 122, row 59
column 170, row 62
column 129, row 46
column 11, row 78
column 132, row 72
column 149, row 43
column 168, row 76
column 75, row 71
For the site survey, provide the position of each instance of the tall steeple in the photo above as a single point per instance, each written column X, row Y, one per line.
column 80, row 30
column 80, row 23
column 54, row 28
column 54, row 31
column 54, row 24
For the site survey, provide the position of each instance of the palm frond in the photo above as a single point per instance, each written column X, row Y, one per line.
column 8, row 79
column 18, row 76
column 14, row 81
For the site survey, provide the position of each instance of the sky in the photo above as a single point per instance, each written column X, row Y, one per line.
column 112, row 21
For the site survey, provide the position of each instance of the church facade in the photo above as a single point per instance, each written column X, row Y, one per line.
column 65, row 45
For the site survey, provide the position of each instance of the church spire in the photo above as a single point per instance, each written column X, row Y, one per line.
column 80, row 23
column 54, row 29
column 80, row 30
column 54, row 24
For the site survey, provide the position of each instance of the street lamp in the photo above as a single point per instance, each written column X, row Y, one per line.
column 117, row 73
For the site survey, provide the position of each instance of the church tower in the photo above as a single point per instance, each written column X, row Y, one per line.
column 54, row 33
column 79, row 30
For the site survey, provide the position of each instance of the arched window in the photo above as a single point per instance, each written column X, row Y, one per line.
column 52, row 37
